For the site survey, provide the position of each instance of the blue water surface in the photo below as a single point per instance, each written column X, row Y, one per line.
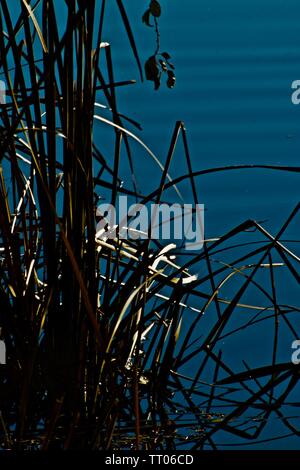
column 235, row 63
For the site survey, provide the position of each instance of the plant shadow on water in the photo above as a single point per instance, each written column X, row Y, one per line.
column 112, row 343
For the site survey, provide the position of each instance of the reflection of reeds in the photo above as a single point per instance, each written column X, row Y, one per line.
column 103, row 350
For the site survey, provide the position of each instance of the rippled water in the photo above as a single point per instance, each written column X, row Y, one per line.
column 235, row 62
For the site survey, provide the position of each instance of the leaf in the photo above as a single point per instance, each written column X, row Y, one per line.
column 155, row 8
column 152, row 71
column 171, row 79
column 166, row 55
column 130, row 35
column 258, row 373
column 36, row 25
column 126, row 306
column 163, row 65
column 146, row 17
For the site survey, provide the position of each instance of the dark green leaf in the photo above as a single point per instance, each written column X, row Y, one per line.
column 152, row 71
column 155, row 8
column 171, row 79
column 163, row 65
column 166, row 55
column 130, row 35
column 146, row 17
